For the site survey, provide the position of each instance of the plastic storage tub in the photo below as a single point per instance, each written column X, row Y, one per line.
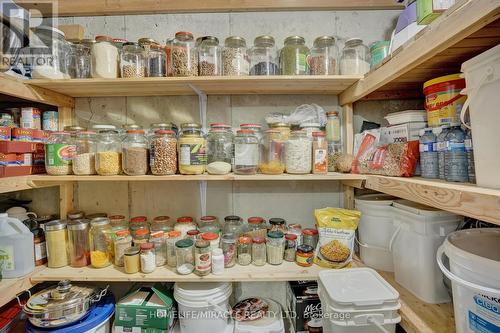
column 272, row 323
column 420, row 230
column 357, row 300
column 408, row 116
column 443, row 101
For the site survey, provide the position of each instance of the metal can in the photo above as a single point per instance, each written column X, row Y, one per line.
column 30, row 118
column 50, row 120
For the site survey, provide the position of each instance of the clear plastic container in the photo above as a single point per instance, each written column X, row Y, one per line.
column 135, row 153
column 275, row 247
column 259, row 251
column 246, row 153
column 456, row 156
column 101, row 244
column 184, row 55
column 210, row 57
column 59, row 153
column 132, row 61
column 272, row 153
column 235, row 60
column 263, row 56
column 191, row 150
column 78, row 243
column 15, row 238
column 323, row 59
column 184, row 224
column 220, row 150
column 105, row 58
column 319, row 153
column 244, row 250
column 84, row 158
column 355, row 59
column 293, row 56
column 228, row 246
column 441, row 149
column 298, row 153
column 233, row 225
column 160, row 246
column 184, row 256
column 429, row 163
column 108, row 153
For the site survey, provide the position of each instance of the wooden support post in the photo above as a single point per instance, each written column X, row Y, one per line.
column 347, row 118
column 66, row 199
column 66, row 117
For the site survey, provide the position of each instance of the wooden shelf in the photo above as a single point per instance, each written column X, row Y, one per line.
column 10, row 288
column 12, row 184
column 222, row 85
column 465, row 30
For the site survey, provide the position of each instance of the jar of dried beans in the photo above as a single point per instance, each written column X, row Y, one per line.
column 263, row 57
column 108, row 153
column 59, row 153
column 84, row 159
column 246, row 153
column 298, row 153
column 184, row 55
column 324, row 56
column 135, row 153
column 163, row 153
column 132, row 62
column 234, row 57
column 209, row 55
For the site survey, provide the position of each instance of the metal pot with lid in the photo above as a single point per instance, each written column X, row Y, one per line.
column 62, row 304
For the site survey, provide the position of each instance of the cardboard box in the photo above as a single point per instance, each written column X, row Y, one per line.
column 304, row 305
column 429, row 10
column 72, row 31
column 5, row 133
column 7, row 147
column 14, row 171
column 401, row 133
column 145, row 309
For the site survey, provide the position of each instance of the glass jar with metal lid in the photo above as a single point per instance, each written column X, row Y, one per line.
column 59, row 153
column 209, row 55
column 293, row 56
column 220, row 150
column 161, row 223
column 246, row 153
column 118, row 222
column 105, row 58
column 101, row 244
column 229, row 249
column 284, row 128
column 272, row 153
column 244, row 250
column 76, row 214
column 256, row 227
column 161, row 126
column 298, row 153
column 79, row 61
column 310, row 237
column 184, row 256
column 309, row 128
column 275, row 247
column 168, row 55
column 304, row 255
column 259, row 251
column 184, row 55
column 184, row 224
column 135, row 153
column 57, row 243
column 355, row 59
column 191, row 150
column 233, row 225
column 121, row 243
column 202, row 257
column 323, row 59
column 78, row 243
column 278, row 224
column 234, row 57
column 209, row 223
column 132, row 61
column 333, row 131
column 156, row 65
column 163, row 153
column 84, row 159
column 49, row 62
column 108, row 153
column 263, row 56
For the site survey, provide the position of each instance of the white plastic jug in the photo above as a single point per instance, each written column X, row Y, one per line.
column 16, row 248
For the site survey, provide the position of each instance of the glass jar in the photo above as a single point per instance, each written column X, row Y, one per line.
column 256, row 128
column 141, row 236
column 122, row 241
column 161, row 223
column 73, row 130
column 173, row 237
column 156, row 61
column 168, row 55
column 79, row 61
column 57, row 244
column 118, row 222
column 193, row 234
column 49, row 62
column 163, row 153
column 309, row 128
column 184, row 224
column 244, row 250
column 211, row 237
column 40, row 246
column 304, row 255
column 256, row 227
column 59, row 153
column 259, row 251
column 192, row 150
column 334, row 153
column 160, row 246
column 118, row 43
column 78, row 243
column 184, row 256
column 76, row 215
column 84, row 159
column 202, row 257
column 283, row 128
column 161, row 126
column 263, row 56
column 333, row 133
column 278, row 224
column 184, row 57
column 296, row 229
column 138, row 223
column 135, row 153
column 246, row 153
column 290, row 246
column 324, row 55
column 132, row 61
column 105, row 58
column 101, row 244
column 108, row 153
column 275, row 247
column 148, row 258
column 320, row 153
column 131, row 260
column 355, row 59
column 272, row 153
column 209, row 224
column 310, row 237
column 209, row 55
column 234, row 57
column 228, row 245
column 219, row 150
column 233, row 225
column 293, row 56
column 298, row 153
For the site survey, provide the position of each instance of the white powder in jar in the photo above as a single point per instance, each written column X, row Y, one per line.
column 298, row 155
column 104, row 60
column 354, row 67
column 148, row 261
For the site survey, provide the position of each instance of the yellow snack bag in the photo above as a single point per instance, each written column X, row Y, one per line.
column 336, row 228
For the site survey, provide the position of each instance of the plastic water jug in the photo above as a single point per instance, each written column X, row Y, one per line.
column 16, row 248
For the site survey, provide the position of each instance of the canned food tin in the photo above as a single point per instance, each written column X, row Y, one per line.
column 50, row 121
column 31, row 118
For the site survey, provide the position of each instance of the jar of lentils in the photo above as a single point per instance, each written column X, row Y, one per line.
column 84, row 159
column 246, row 153
column 234, row 57
column 293, row 56
column 259, row 251
column 135, row 153
column 59, row 154
column 263, row 57
column 184, row 56
column 323, row 59
column 298, row 153
column 108, row 153
column 210, row 57
column 163, row 153
column 132, row 62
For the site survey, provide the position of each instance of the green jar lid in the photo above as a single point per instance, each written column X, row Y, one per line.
column 184, row 243
column 275, row 234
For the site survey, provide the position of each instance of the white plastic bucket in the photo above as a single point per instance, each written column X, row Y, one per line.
column 203, row 307
column 482, row 78
column 474, row 257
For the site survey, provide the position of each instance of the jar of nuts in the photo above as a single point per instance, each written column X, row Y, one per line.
column 108, row 153
column 135, row 153
column 234, row 57
column 84, row 159
column 184, row 55
column 163, row 150
column 209, row 55
column 132, row 62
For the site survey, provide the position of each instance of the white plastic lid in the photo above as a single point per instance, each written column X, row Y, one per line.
column 419, row 209
column 376, row 199
column 3, row 215
column 357, row 286
column 103, row 127
column 198, row 294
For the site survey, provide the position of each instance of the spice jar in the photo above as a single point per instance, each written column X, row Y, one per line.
column 333, row 127
column 104, row 58
column 217, row 261
column 173, row 237
column 283, row 128
column 209, row 224
column 108, row 153
column 244, row 250
column 132, row 62
column 160, row 245
column 305, row 255
column 135, row 153
column 233, row 225
column 202, row 257
column 191, row 150
column 290, row 246
column 184, row 224
column 293, row 56
column 320, row 153
column 161, row 223
column 101, row 245
column 118, row 222
column 211, row 237
column 234, row 57
column 57, row 244
column 275, row 247
column 59, row 153
column 246, row 153
column 220, row 149
column 141, row 236
column 256, row 227
column 40, row 246
column 84, row 158
column 122, row 241
column 184, row 256
column 156, row 61
column 78, row 243
column 184, row 56
column 148, row 258
column 209, row 55
column 278, row 224
column 163, row 153
column 131, row 260
column 298, row 153
column 324, row 56
column 263, row 56
column 309, row 128
column 355, row 59
column 256, row 128
column 259, row 251
column 228, row 245
column 138, row 223
column 272, row 153
column 310, row 237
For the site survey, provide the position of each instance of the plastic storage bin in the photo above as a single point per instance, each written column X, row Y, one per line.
column 271, row 323
column 420, row 230
column 16, row 246
column 408, row 116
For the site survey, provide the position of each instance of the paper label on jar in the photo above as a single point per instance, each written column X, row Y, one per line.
column 203, row 262
column 320, row 160
column 246, row 154
column 59, row 154
column 7, row 258
column 192, row 154
column 40, row 251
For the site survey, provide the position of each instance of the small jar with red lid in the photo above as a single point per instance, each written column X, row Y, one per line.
column 193, row 234
column 211, row 237
column 310, row 237
column 161, row 223
column 304, row 255
column 244, row 250
column 259, row 251
column 256, row 227
column 184, row 224
column 296, row 229
column 209, row 223
column 118, row 222
column 138, row 223
column 141, row 236
column 148, row 258
column 290, row 246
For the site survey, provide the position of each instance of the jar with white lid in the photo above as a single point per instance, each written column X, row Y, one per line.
column 132, row 60
column 309, row 128
column 323, row 59
column 263, row 56
column 355, row 59
column 298, row 153
column 234, row 57
column 184, row 224
column 209, row 56
column 104, row 58
column 184, row 55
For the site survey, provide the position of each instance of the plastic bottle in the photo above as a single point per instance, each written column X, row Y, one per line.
column 469, row 149
column 17, row 256
column 455, row 156
column 217, row 261
column 428, row 154
column 441, row 133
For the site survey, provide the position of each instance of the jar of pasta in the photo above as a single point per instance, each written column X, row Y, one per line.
column 192, row 150
column 101, row 244
column 108, row 153
column 324, row 56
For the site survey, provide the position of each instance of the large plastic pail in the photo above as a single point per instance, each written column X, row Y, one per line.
column 443, row 101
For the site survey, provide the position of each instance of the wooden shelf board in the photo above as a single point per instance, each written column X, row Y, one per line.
column 10, row 288
column 20, row 183
column 151, row 86
column 465, row 30
column 464, row 199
